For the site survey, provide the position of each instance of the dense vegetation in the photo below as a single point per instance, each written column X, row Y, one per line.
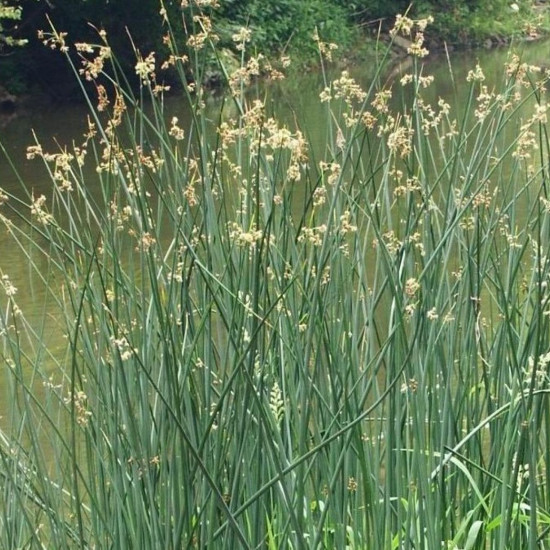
column 269, row 345
column 278, row 26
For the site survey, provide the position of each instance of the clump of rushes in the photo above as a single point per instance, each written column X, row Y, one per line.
column 273, row 347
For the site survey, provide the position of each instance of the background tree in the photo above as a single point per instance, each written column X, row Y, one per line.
column 277, row 26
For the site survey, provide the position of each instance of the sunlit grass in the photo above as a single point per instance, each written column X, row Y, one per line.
column 272, row 346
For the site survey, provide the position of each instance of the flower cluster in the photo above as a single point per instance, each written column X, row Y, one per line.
column 400, row 138
column 276, row 402
column 198, row 40
column 244, row 237
column 8, row 286
column 145, row 68
column 254, row 67
column 325, row 49
column 93, row 67
column 241, row 38
column 79, row 400
column 414, row 29
column 54, row 40
column 38, row 211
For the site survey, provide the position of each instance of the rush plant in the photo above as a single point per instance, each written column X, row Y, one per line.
column 267, row 343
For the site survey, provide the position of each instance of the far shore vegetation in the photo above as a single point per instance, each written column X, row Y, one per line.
column 279, row 28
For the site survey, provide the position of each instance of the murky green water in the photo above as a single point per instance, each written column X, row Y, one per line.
column 293, row 100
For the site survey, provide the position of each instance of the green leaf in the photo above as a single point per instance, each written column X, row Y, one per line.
column 473, row 534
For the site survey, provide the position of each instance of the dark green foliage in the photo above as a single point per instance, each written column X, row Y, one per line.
column 288, row 25
column 279, row 26
column 38, row 68
column 374, row 9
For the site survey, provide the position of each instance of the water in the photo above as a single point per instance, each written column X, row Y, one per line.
column 292, row 100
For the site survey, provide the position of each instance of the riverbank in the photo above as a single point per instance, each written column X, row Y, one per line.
column 358, row 29
column 463, row 30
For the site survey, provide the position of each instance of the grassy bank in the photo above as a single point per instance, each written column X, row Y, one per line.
column 269, row 346
column 490, row 23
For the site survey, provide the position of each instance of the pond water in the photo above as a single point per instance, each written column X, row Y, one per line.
column 291, row 100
